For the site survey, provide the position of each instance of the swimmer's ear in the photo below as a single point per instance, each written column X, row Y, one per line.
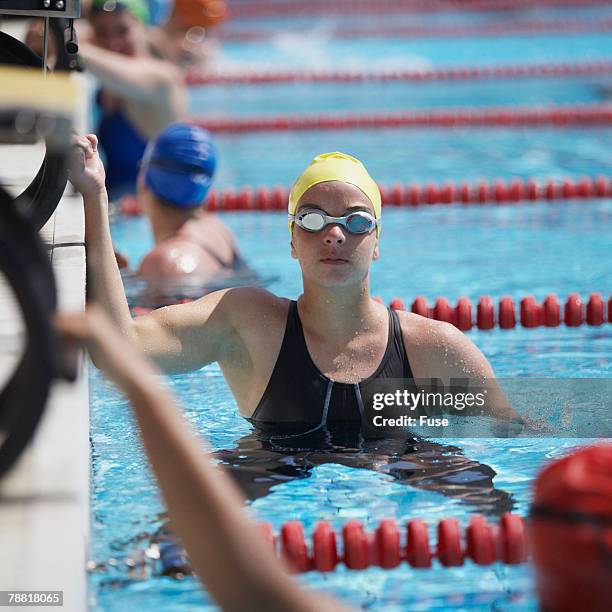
column 293, row 251
column 376, row 253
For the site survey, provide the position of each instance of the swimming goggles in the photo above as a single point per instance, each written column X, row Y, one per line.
column 359, row 222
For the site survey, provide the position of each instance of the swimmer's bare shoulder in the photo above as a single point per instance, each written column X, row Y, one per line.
column 233, row 327
column 170, row 259
column 437, row 349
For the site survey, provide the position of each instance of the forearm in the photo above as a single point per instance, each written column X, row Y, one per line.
column 225, row 547
column 497, row 404
column 104, row 282
column 133, row 78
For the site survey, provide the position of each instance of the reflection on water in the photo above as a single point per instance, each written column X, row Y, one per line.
column 258, row 463
column 155, row 293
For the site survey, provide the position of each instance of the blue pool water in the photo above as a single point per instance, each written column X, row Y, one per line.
column 446, row 250
column 419, row 155
column 305, row 98
column 318, row 50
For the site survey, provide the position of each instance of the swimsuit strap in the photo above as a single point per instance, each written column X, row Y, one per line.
column 394, row 349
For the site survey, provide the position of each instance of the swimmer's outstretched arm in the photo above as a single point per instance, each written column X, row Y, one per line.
column 178, row 338
column 141, row 79
column 225, row 547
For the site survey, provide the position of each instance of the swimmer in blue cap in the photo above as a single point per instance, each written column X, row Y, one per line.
column 192, row 247
column 179, row 164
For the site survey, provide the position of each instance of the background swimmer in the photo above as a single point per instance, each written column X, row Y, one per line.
column 192, row 247
column 141, row 94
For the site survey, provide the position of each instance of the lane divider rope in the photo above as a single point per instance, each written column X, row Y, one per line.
column 508, row 117
column 506, row 28
column 550, row 313
column 501, row 191
column 458, row 73
column 481, row 542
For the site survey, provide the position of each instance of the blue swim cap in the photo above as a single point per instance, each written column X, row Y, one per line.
column 179, row 164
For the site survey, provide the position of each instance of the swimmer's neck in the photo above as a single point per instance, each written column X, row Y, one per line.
column 166, row 222
column 338, row 314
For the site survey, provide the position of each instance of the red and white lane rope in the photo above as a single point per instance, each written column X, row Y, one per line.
column 458, row 73
column 550, row 313
column 515, row 190
column 482, row 542
column 511, row 116
column 506, row 28
column 318, row 7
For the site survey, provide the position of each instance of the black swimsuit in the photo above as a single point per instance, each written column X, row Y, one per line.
column 300, row 400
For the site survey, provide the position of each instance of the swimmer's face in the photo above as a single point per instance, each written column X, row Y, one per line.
column 117, row 31
column 334, row 256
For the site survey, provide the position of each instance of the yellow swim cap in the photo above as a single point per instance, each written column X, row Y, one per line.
column 335, row 167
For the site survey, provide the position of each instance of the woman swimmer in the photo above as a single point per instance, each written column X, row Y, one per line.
column 304, row 372
column 205, row 506
column 141, row 94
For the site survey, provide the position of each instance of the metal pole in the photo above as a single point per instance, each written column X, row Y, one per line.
column 45, row 45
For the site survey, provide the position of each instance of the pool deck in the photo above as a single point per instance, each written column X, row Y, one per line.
column 44, row 499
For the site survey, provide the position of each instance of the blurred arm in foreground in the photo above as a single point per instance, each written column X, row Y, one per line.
column 204, row 504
